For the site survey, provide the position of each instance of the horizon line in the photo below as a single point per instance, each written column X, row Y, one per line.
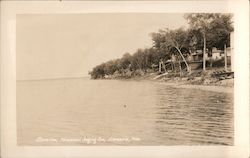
column 53, row 78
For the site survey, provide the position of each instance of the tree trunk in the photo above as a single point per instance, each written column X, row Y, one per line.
column 225, row 53
column 204, row 52
column 188, row 68
column 159, row 66
column 164, row 67
column 172, row 66
column 180, row 68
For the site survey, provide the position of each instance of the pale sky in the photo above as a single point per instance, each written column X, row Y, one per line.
column 69, row 45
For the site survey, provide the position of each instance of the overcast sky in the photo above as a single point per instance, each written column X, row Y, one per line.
column 69, row 45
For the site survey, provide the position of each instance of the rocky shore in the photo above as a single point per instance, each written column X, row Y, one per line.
column 196, row 80
column 225, row 86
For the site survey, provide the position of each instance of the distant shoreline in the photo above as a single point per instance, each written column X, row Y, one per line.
column 58, row 78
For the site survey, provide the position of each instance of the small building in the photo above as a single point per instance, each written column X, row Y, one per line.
column 198, row 55
column 216, row 54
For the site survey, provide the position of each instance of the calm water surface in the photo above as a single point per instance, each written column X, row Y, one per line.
column 106, row 112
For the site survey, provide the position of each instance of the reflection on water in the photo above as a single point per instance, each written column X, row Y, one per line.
column 62, row 112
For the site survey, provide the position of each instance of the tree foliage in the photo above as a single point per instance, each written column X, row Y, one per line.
column 215, row 27
column 169, row 39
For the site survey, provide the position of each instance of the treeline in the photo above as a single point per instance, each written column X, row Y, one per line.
column 205, row 31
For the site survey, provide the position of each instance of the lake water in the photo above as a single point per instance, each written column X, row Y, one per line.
column 107, row 112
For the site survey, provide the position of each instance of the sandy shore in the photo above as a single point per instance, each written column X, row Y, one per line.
column 220, row 89
column 223, row 86
column 214, row 88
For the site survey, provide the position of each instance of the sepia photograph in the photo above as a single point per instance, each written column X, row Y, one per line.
column 125, row 79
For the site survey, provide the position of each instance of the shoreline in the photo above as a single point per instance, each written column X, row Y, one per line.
column 212, row 88
column 221, row 86
column 185, row 85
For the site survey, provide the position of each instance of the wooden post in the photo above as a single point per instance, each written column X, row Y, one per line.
column 159, row 66
column 164, row 66
column 225, row 53
column 204, row 52
column 180, row 68
column 175, row 68
column 172, row 66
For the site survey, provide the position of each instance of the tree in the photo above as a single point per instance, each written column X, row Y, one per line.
column 205, row 32
column 221, row 27
column 98, row 72
column 201, row 22
column 214, row 28
column 125, row 60
column 168, row 39
column 138, row 61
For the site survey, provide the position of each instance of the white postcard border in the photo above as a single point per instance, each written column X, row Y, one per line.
column 9, row 10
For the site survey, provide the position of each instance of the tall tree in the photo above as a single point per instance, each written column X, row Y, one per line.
column 221, row 27
column 214, row 28
column 201, row 22
column 168, row 39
